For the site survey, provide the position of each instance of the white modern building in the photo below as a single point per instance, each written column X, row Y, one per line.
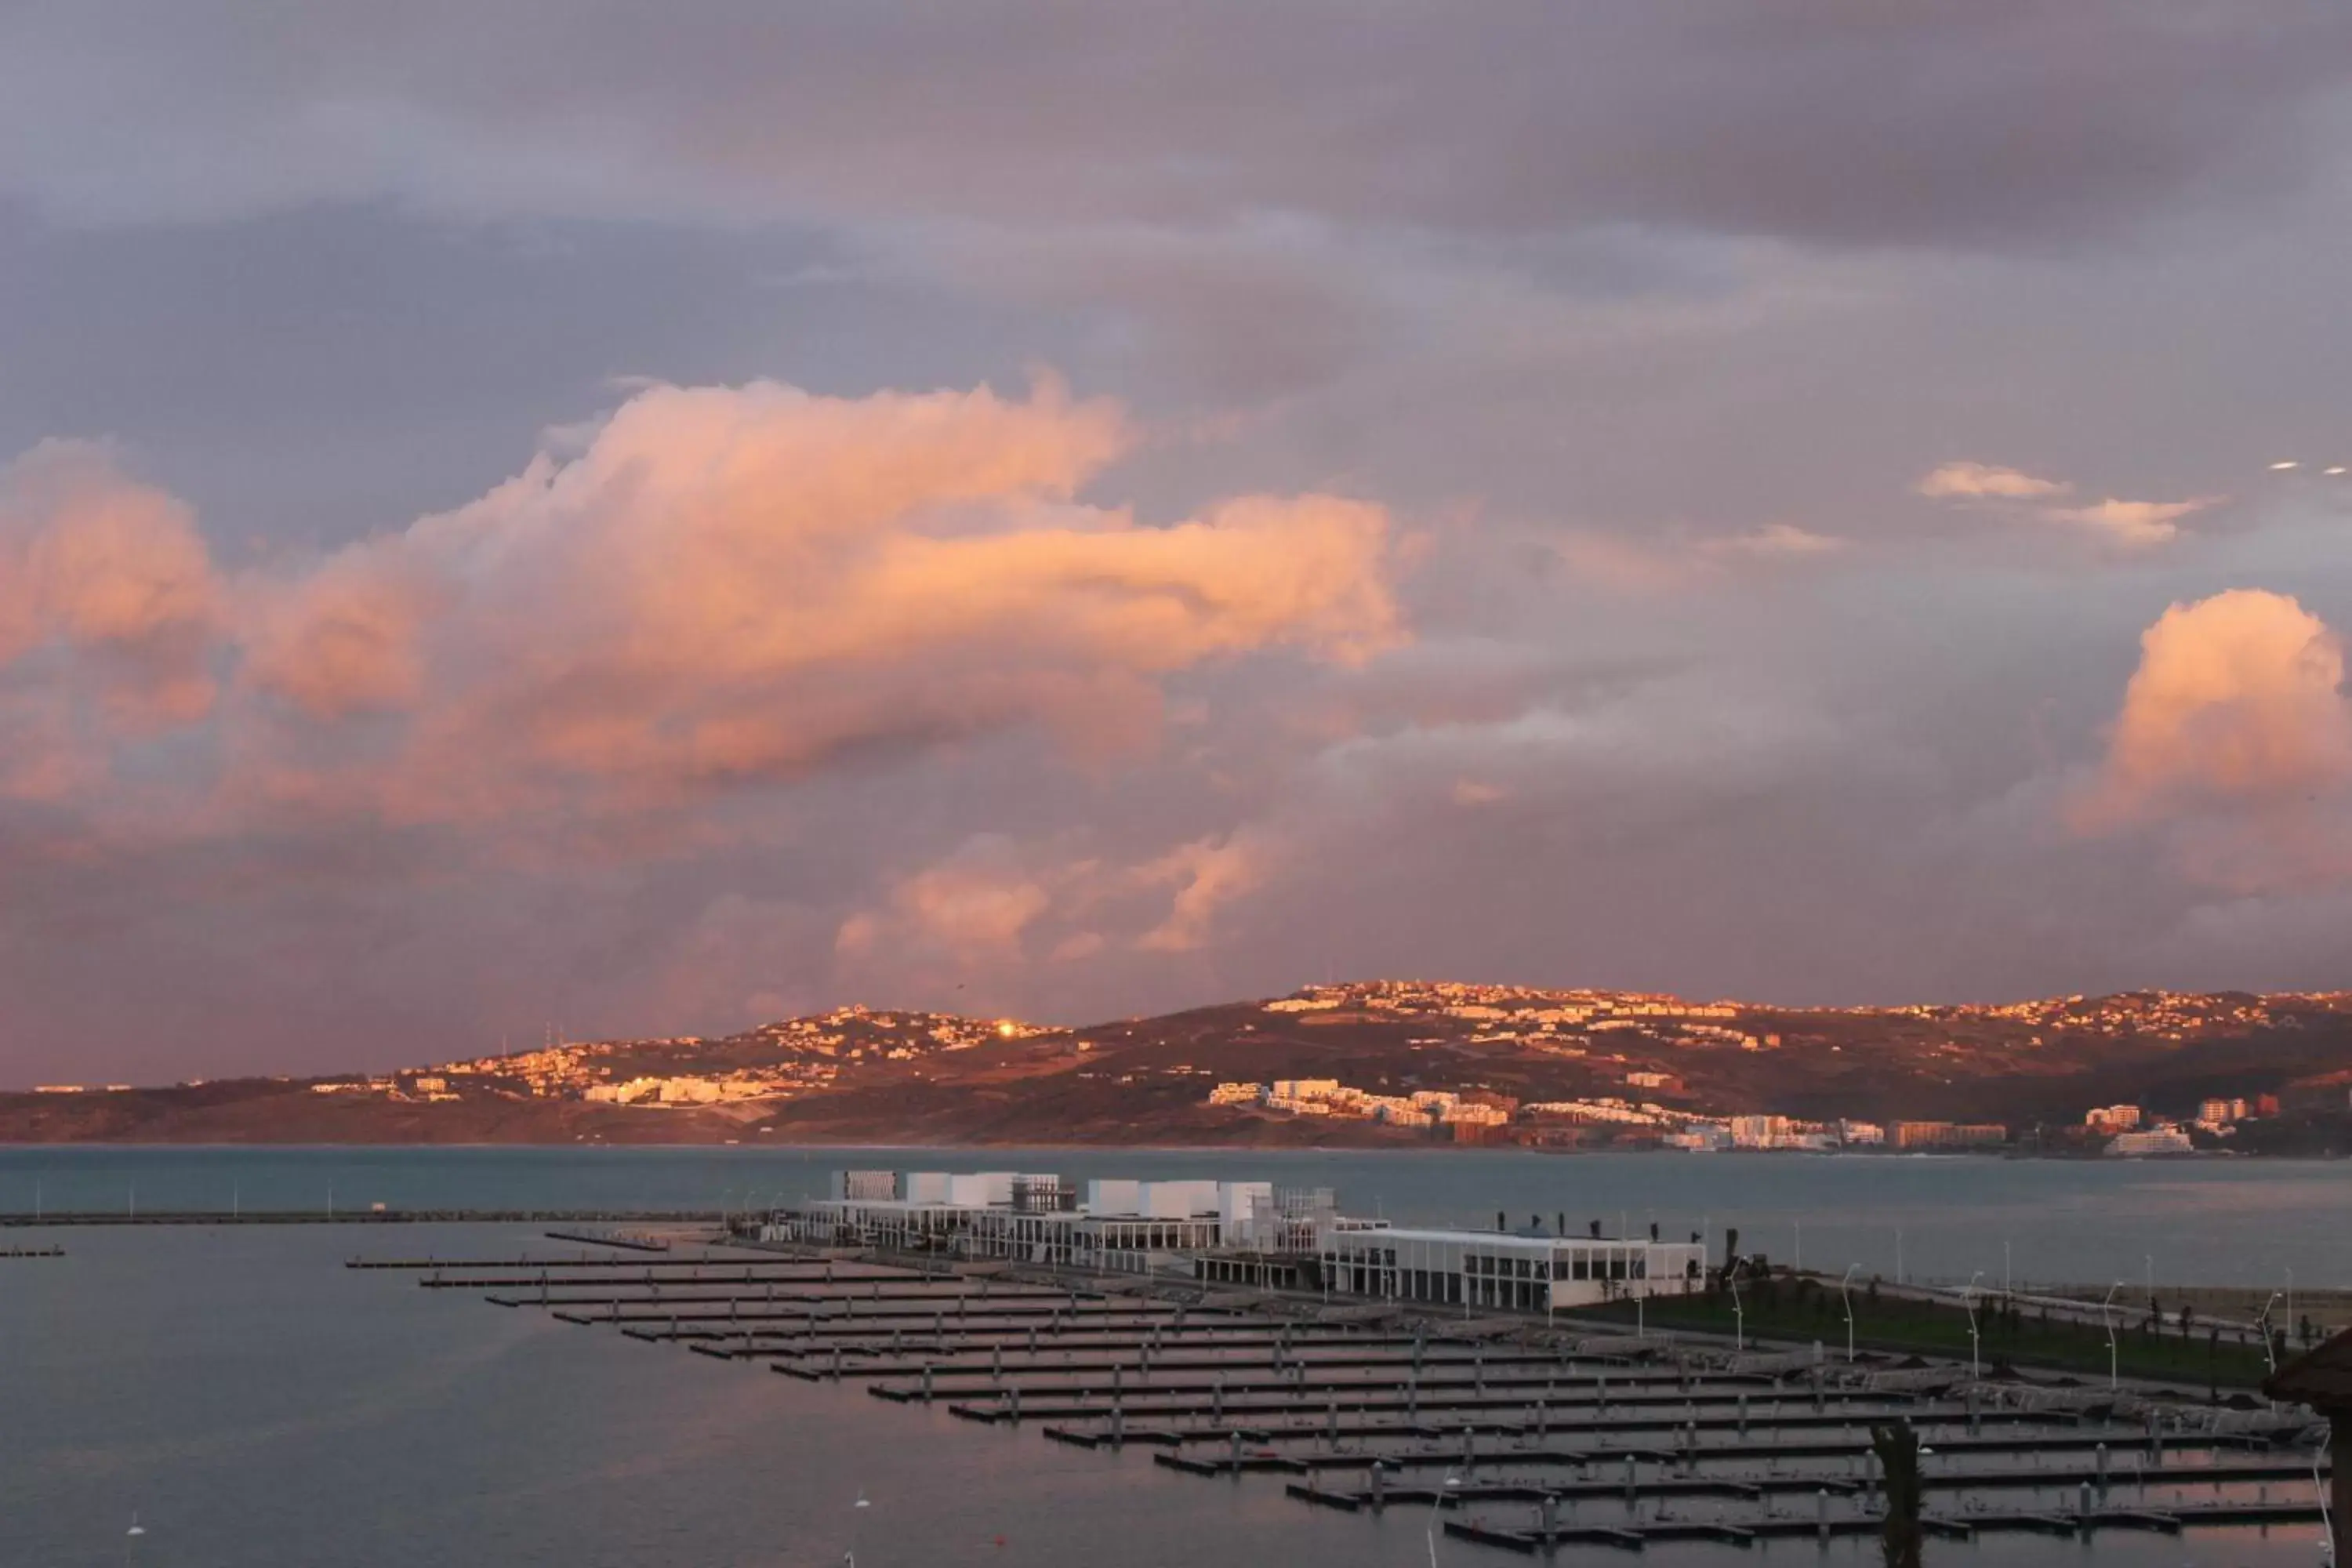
column 1233, row 1232
column 1036, row 1218
column 1494, row 1268
column 2140, row 1145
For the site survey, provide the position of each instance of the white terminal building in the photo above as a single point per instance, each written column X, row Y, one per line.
column 1496, row 1269
column 1245, row 1232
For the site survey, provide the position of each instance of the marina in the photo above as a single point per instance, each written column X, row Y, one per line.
column 1400, row 1378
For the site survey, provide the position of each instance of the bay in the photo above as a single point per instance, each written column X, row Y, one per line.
column 2206, row 1222
column 254, row 1403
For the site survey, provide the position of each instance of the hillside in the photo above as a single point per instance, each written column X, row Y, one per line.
column 1560, row 1068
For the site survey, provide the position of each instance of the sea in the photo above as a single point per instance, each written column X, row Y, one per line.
column 247, row 1400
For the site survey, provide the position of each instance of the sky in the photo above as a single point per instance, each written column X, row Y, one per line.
column 543, row 515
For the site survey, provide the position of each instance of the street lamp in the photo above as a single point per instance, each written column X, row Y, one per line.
column 1847, row 1296
column 1738, row 1313
column 2108, row 1317
column 1968, row 1298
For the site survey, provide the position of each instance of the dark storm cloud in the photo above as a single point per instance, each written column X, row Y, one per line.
column 1826, row 120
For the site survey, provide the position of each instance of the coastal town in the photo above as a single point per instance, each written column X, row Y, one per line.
column 1373, row 1063
column 1633, row 1038
column 779, row 1061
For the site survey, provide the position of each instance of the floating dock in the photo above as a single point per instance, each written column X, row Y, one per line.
column 1528, row 1437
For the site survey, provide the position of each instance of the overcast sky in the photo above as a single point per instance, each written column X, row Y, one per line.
column 534, row 513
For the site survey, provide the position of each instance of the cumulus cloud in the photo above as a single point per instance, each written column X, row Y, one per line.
column 347, row 638
column 110, row 575
column 742, row 585
column 1986, row 481
column 2235, row 738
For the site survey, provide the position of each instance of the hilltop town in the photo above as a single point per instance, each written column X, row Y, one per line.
column 1371, row 1064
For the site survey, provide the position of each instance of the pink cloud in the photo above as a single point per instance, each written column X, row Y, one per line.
column 2131, row 524
column 1208, row 874
column 347, row 639
column 2235, row 738
column 739, row 585
column 113, row 574
column 1986, row 481
column 976, row 906
column 2135, row 523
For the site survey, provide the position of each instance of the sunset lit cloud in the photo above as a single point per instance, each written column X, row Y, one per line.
column 2235, row 734
column 112, row 574
column 2134, row 523
column 1985, row 481
column 2126, row 524
column 727, row 586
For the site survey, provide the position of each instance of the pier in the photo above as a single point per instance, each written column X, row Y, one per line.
column 1527, row 1437
column 707, row 1219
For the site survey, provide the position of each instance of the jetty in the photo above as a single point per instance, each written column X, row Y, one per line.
column 1526, row 1430
column 705, row 1219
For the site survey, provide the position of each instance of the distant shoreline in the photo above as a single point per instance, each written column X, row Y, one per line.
column 1415, row 1148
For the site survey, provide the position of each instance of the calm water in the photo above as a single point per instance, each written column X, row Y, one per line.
column 2218, row 1222
column 256, row 1404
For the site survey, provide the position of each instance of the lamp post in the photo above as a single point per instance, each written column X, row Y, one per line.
column 2107, row 1317
column 1845, row 1296
column 1968, row 1298
column 1739, row 1312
